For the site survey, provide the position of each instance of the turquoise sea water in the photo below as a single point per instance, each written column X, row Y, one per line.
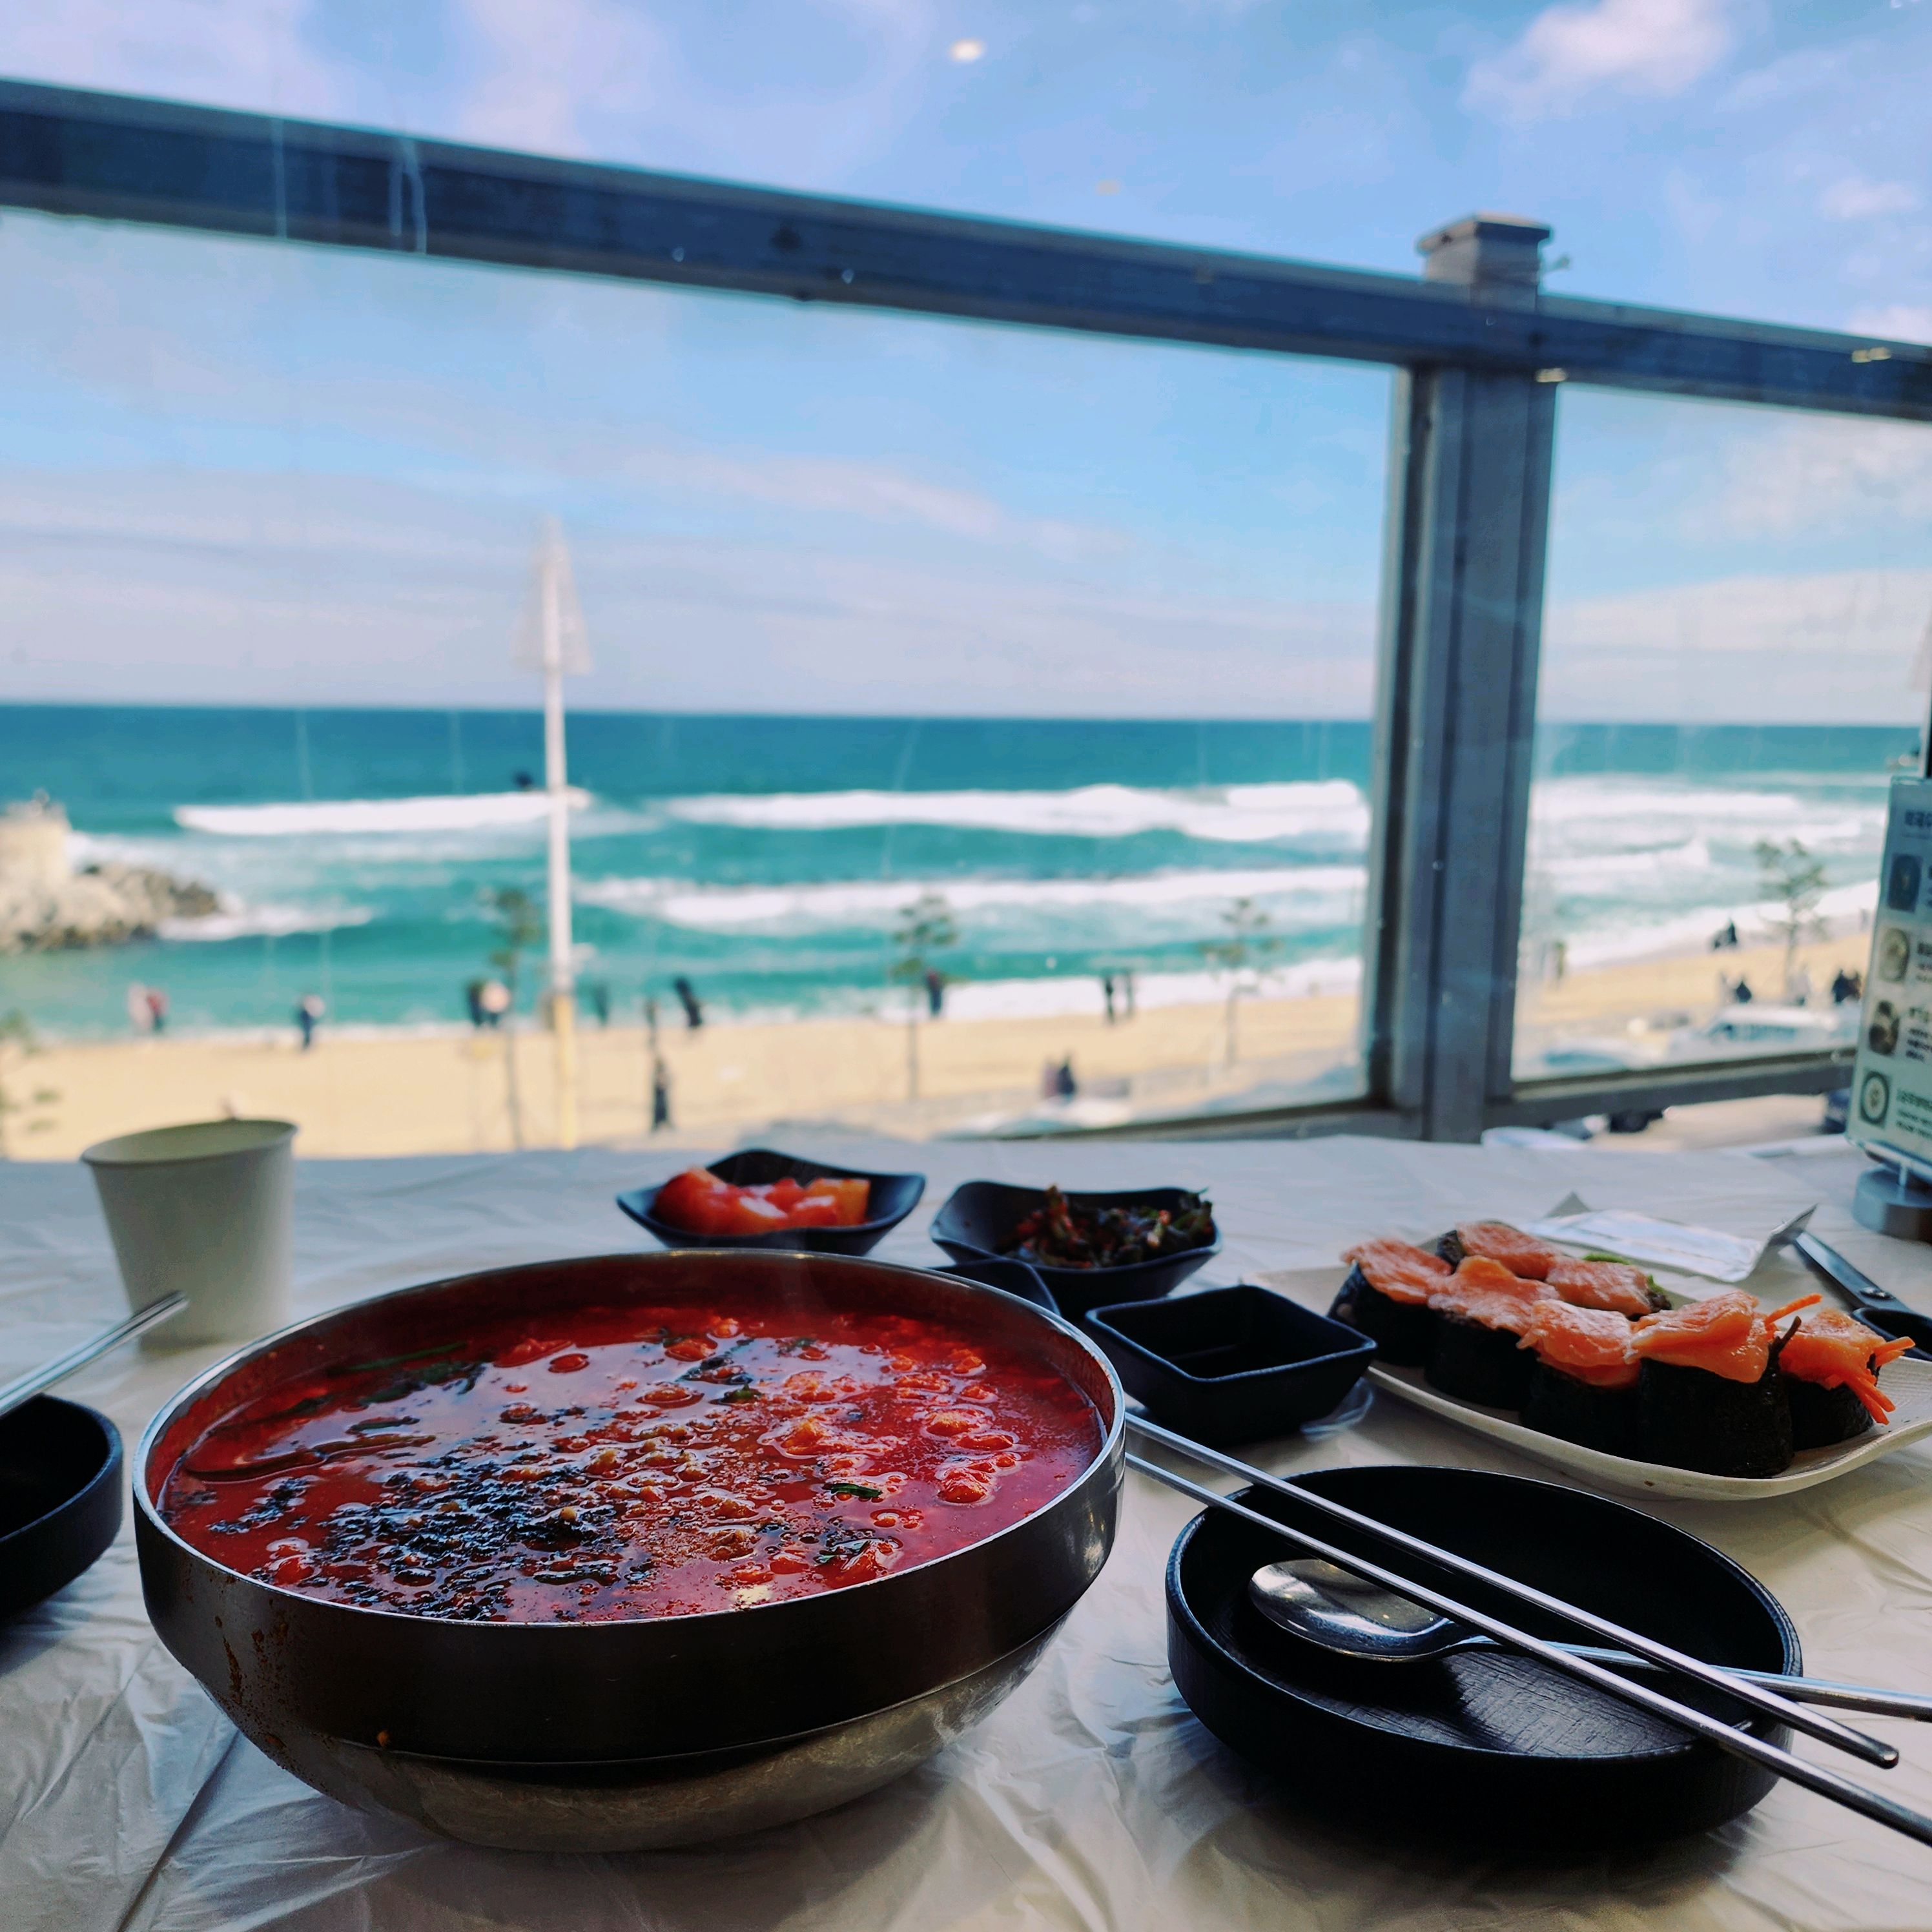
column 766, row 858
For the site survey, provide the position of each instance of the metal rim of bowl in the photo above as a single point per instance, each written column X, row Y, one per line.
column 182, row 1583
column 190, row 1391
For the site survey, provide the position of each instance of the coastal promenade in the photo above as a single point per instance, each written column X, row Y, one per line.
column 368, row 1091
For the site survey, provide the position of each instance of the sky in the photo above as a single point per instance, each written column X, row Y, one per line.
column 233, row 470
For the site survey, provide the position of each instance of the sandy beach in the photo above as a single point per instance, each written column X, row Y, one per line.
column 449, row 1092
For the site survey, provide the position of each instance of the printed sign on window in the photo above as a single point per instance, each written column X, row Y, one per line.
column 1891, row 1081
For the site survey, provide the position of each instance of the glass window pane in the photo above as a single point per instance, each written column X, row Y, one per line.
column 1073, row 635
column 1735, row 665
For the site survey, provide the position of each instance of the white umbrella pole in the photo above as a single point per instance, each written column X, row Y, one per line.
column 562, row 976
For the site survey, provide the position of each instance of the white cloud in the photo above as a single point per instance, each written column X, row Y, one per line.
column 221, row 53
column 549, row 65
column 616, row 80
column 1657, row 47
column 1836, row 647
column 347, row 590
column 1855, row 199
column 1896, row 322
column 1817, row 473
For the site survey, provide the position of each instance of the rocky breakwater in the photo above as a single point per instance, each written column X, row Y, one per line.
column 46, row 905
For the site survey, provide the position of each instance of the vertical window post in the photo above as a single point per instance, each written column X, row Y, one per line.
column 1461, row 630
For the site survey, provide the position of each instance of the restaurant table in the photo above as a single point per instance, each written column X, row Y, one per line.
column 1091, row 1797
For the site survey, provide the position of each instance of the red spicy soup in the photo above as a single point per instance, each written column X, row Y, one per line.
column 632, row 1462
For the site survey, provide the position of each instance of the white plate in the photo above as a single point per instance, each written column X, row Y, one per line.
column 1907, row 1382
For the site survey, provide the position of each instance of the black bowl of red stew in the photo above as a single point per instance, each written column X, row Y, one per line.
column 1089, row 1249
column 627, row 1525
column 759, row 1197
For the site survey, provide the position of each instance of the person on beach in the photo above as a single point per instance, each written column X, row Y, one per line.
column 935, row 992
column 1107, row 995
column 157, row 1009
column 660, row 1094
column 687, row 995
column 140, row 1015
column 597, row 997
column 495, row 999
column 309, row 1010
column 1064, row 1085
column 472, row 999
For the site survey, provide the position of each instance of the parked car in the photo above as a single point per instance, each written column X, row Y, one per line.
column 1759, row 1028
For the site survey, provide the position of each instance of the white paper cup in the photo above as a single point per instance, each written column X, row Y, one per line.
column 205, row 1210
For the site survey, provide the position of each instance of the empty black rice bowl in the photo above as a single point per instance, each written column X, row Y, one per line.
column 60, row 1497
column 981, row 1219
column 893, row 1197
column 1487, row 1752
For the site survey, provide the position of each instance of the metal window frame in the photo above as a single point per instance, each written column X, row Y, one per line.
column 1480, row 353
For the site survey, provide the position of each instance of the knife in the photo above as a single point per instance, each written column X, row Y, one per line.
column 1877, row 1307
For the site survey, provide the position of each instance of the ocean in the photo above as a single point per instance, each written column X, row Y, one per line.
column 766, row 858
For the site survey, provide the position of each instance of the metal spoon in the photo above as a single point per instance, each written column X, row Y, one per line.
column 1325, row 1605
column 23, row 1388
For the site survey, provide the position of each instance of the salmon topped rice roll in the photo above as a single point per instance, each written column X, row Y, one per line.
column 1481, row 1311
column 1522, row 1254
column 1615, row 1284
column 1386, row 1296
column 1583, row 1387
column 1710, row 1394
column 1832, row 1364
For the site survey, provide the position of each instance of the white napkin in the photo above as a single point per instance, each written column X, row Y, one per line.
column 1677, row 1245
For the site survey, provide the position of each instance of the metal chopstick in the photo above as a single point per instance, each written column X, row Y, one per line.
column 23, row 1388
column 1827, row 1730
column 1840, row 1790
column 1807, row 1690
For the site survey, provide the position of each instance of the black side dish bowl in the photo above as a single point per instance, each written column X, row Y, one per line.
column 1489, row 1752
column 893, row 1197
column 981, row 1220
column 60, row 1497
column 1009, row 1276
column 1231, row 1364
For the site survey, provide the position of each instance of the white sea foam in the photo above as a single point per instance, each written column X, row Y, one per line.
column 1626, row 812
column 1330, row 808
column 274, row 922
column 873, row 902
column 1583, row 871
column 1843, row 909
column 456, row 812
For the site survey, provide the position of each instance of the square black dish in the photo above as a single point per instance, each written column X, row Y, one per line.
column 893, row 1197
column 981, row 1220
column 1231, row 1364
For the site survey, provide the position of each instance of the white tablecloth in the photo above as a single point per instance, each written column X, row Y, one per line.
column 1091, row 1797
